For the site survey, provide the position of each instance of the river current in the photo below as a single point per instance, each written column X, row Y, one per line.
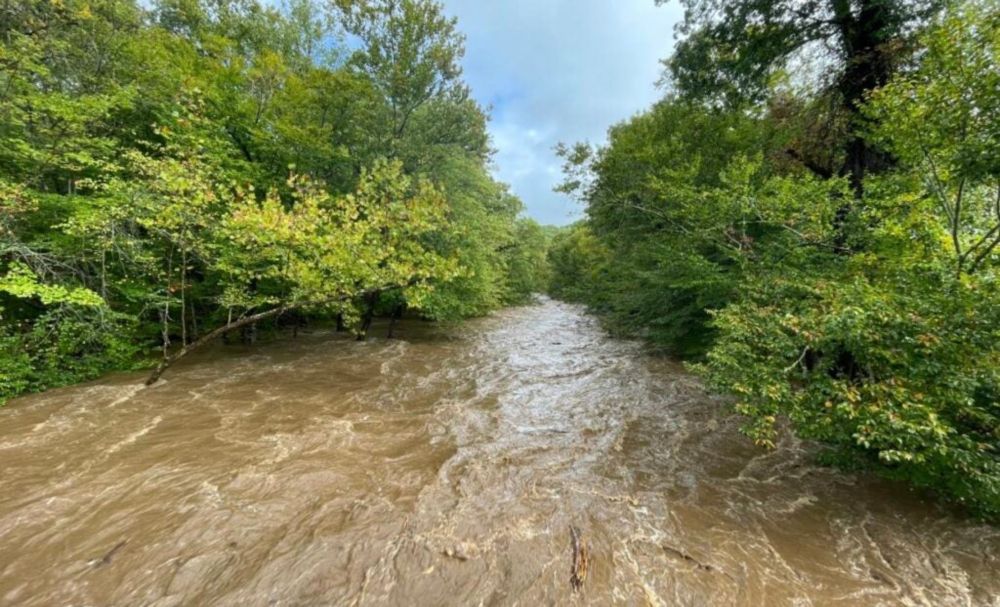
column 446, row 467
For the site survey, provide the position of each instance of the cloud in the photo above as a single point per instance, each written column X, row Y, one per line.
column 559, row 70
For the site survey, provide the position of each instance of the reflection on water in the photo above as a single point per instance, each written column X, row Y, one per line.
column 445, row 468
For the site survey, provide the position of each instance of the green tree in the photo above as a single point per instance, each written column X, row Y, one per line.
column 720, row 226
column 322, row 253
column 410, row 52
column 733, row 51
column 948, row 128
column 890, row 355
column 145, row 155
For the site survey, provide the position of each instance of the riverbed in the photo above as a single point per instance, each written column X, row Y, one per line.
column 446, row 467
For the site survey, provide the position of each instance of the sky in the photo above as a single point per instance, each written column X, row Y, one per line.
column 559, row 71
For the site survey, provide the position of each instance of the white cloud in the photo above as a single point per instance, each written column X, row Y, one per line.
column 559, row 70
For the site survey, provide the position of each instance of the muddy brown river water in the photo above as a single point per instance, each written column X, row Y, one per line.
column 445, row 468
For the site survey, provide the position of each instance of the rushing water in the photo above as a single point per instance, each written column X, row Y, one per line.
column 445, row 468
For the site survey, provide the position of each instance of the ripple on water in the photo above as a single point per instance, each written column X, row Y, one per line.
column 445, row 468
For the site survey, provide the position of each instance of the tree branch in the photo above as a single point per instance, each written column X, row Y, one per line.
column 246, row 320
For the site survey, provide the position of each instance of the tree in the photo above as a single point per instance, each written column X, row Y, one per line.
column 949, row 127
column 658, row 201
column 410, row 51
column 323, row 253
column 732, row 52
column 526, row 260
column 208, row 165
column 716, row 228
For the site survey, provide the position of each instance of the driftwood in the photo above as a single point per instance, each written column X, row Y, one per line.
column 698, row 564
column 456, row 554
column 581, row 558
column 687, row 557
column 106, row 559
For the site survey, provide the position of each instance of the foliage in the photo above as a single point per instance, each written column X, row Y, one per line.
column 735, row 51
column 74, row 338
column 949, row 128
column 578, row 265
column 171, row 169
column 840, row 277
column 900, row 367
column 326, row 249
column 526, row 261
column 21, row 282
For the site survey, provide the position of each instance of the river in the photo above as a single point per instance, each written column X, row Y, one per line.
column 445, row 468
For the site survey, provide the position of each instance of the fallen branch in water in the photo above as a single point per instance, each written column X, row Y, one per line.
column 700, row 565
column 687, row 557
column 249, row 320
column 231, row 326
column 455, row 554
column 106, row 559
column 581, row 559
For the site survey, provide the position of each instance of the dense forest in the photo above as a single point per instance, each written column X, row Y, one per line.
column 176, row 170
column 811, row 217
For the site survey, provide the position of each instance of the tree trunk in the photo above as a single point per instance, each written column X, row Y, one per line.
column 366, row 320
column 194, row 323
column 239, row 323
column 866, row 40
column 165, row 330
column 184, row 335
column 249, row 334
column 232, row 326
column 397, row 313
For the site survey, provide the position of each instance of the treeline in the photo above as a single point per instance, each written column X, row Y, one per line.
column 812, row 217
column 170, row 171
